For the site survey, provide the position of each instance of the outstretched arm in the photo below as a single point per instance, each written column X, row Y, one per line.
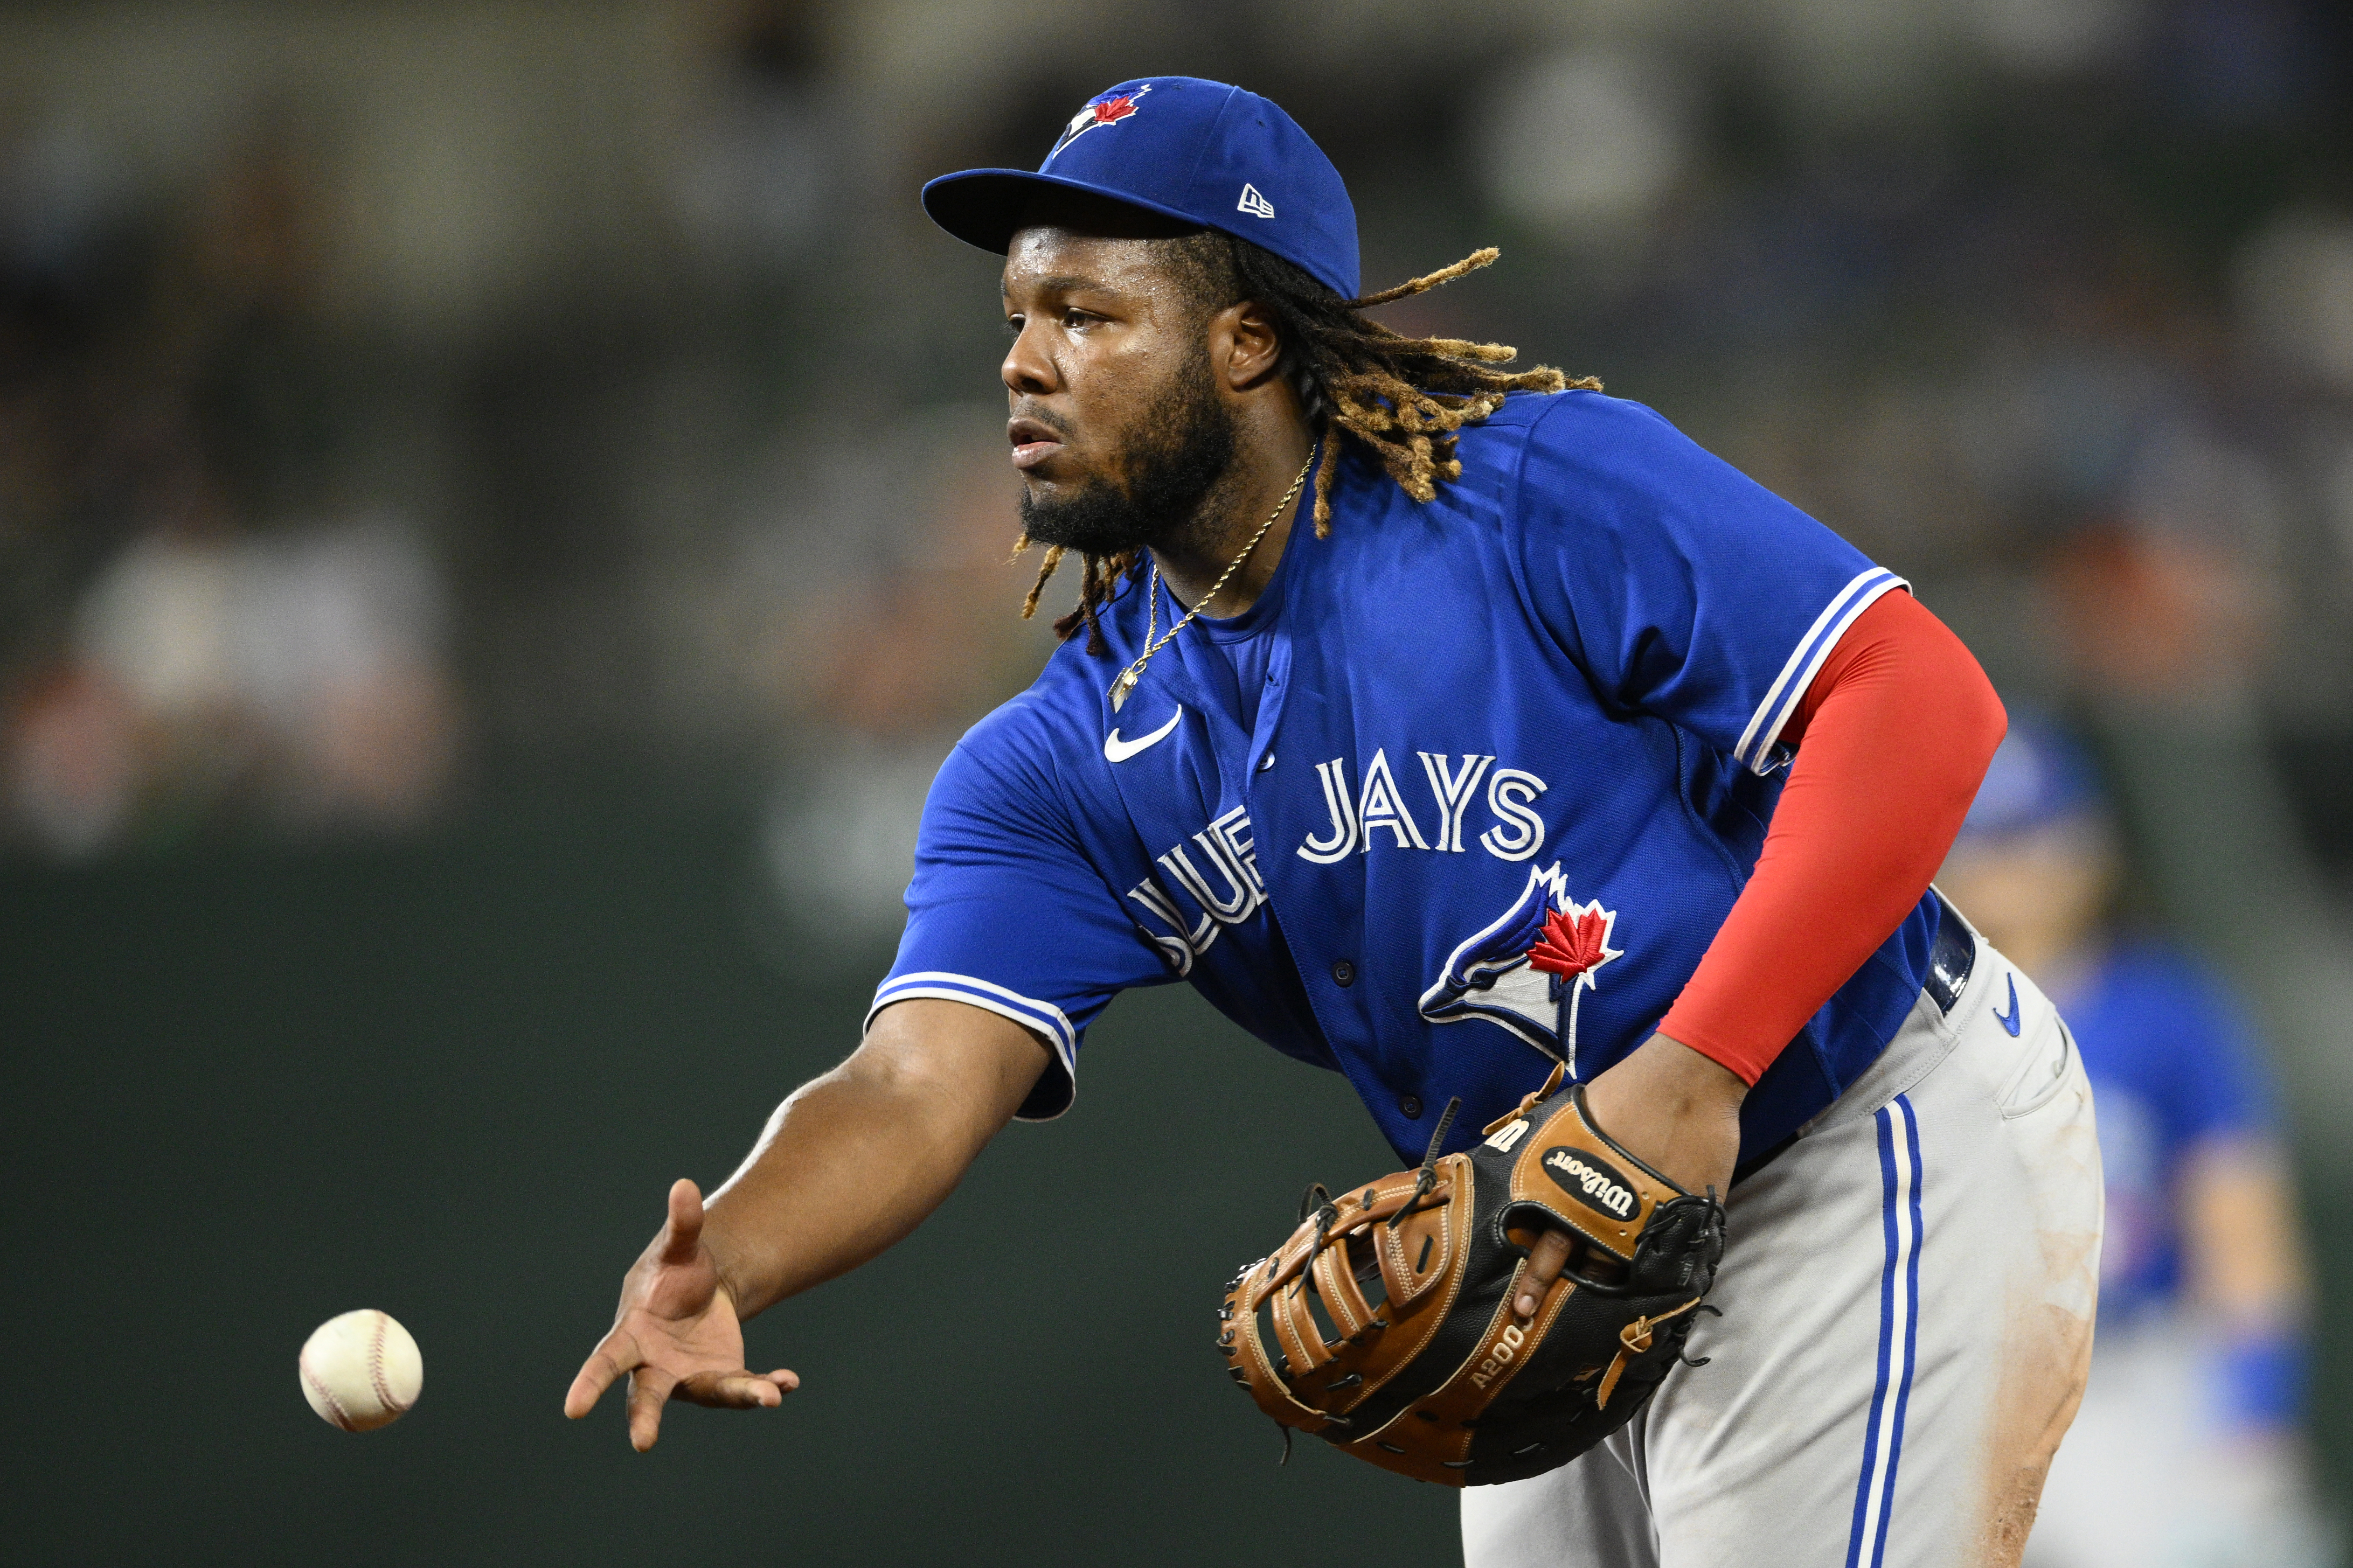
column 849, row 1163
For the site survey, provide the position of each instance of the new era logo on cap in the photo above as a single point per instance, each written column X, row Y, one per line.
column 1253, row 203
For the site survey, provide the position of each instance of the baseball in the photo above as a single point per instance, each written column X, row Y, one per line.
column 361, row 1371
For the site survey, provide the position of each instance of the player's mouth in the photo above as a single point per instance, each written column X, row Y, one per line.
column 1033, row 442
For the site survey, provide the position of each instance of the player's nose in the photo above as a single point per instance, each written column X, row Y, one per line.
column 1029, row 371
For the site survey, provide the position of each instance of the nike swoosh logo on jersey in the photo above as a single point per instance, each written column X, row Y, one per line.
column 1118, row 751
column 2009, row 1023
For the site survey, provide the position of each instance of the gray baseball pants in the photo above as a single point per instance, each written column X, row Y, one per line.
column 1908, row 1294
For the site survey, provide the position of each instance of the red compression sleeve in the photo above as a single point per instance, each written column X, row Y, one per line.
column 1897, row 729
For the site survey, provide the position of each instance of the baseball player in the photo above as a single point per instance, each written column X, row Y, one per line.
column 2188, row 1449
column 1442, row 725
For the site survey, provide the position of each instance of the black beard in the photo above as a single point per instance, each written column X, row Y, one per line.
column 1184, row 446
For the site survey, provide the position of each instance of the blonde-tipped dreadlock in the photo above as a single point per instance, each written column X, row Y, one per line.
column 1401, row 399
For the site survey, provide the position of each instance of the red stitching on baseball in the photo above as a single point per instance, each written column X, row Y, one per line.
column 375, row 1369
column 343, row 1416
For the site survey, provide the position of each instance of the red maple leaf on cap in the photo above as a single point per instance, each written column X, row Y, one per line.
column 1574, row 942
column 1112, row 110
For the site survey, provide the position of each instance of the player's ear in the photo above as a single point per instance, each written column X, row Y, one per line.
column 1245, row 345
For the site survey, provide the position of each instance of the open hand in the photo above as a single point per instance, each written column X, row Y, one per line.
column 675, row 1335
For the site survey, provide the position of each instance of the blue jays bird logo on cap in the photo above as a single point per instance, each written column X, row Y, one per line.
column 1203, row 152
column 1106, row 108
column 1513, row 971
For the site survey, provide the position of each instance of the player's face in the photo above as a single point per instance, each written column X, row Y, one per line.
column 1118, row 427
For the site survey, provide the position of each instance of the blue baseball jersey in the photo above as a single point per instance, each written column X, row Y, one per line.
column 2173, row 1064
column 1542, row 710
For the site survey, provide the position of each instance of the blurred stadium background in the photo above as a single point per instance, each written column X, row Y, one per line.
column 502, row 507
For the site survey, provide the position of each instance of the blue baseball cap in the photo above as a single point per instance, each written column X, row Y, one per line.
column 2039, row 777
column 1201, row 152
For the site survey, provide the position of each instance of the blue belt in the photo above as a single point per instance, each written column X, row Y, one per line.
column 1950, row 957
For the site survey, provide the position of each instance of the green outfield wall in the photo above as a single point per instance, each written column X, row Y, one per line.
column 452, row 1078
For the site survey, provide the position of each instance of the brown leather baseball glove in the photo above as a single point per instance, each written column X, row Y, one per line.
column 1385, row 1325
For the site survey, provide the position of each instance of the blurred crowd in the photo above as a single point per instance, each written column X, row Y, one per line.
column 393, row 398
column 203, row 615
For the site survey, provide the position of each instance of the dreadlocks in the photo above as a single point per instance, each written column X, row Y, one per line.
column 1399, row 398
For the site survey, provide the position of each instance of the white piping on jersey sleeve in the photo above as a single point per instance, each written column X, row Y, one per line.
column 1041, row 1016
column 1756, row 749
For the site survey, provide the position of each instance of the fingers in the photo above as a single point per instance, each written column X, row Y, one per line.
column 683, row 1235
column 738, row 1390
column 650, row 1387
column 649, row 1390
column 677, row 1317
column 1547, row 1258
column 615, row 1354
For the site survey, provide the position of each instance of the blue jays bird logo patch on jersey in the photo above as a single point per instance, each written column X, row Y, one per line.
column 1513, row 971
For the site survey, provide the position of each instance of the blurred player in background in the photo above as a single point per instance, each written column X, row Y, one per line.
column 2188, row 1449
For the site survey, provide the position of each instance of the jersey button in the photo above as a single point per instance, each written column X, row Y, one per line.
column 1411, row 1105
column 1266, row 761
column 1343, row 972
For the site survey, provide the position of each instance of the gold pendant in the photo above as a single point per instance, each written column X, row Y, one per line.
column 1121, row 688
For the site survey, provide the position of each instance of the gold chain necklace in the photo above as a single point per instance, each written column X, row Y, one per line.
column 1134, row 672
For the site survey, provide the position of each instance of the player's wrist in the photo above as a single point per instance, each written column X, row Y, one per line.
column 1729, row 1044
column 1690, row 1075
column 735, row 1278
column 1674, row 1108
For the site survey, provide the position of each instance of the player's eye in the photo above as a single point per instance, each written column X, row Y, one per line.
column 1074, row 317
column 1013, row 326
